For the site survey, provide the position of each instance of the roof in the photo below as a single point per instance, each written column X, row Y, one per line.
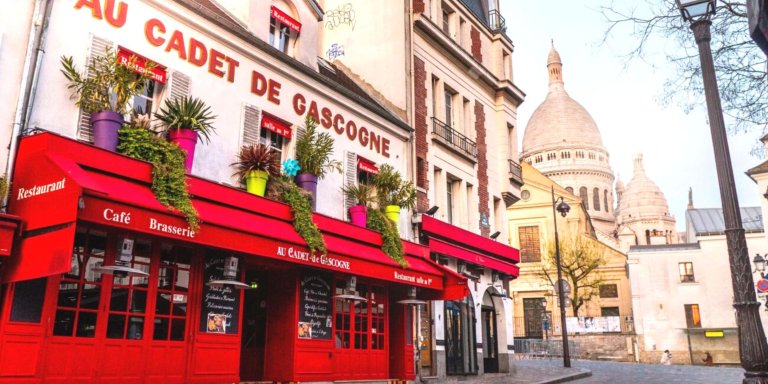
column 343, row 84
column 709, row 221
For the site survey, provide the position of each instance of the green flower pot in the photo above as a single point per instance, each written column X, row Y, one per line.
column 256, row 182
column 393, row 213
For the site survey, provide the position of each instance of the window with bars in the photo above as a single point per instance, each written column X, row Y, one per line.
column 686, row 272
column 609, row 291
column 530, row 248
column 80, row 289
column 172, row 293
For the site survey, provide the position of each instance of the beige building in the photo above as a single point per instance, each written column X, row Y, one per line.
column 532, row 230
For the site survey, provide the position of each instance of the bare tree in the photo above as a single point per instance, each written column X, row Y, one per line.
column 580, row 259
column 740, row 65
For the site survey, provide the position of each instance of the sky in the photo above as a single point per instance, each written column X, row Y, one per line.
column 622, row 98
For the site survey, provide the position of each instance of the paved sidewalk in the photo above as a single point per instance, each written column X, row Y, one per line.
column 527, row 372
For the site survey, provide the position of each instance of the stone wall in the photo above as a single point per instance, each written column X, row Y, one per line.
column 602, row 347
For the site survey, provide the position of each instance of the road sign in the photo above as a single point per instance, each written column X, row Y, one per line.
column 762, row 285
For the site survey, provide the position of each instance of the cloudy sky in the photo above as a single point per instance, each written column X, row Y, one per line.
column 621, row 97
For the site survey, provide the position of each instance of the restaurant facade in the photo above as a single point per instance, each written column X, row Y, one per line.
column 77, row 209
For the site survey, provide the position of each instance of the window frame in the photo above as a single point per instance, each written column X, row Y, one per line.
column 608, row 291
column 529, row 253
column 685, row 270
column 692, row 315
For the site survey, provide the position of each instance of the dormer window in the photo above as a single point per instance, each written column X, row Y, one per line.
column 283, row 30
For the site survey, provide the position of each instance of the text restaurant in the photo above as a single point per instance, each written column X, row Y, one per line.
column 106, row 284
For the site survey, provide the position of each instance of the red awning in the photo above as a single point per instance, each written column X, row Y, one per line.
column 159, row 73
column 60, row 181
column 286, row 20
column 456, row 242
column 366, row 165
column 276, row 125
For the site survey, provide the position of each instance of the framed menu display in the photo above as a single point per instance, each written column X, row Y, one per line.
column 315, row 321
column 220, row 307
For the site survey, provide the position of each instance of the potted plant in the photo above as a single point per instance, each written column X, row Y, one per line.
column 255, row 163
column 313, row 152
column 104, row 91
column 361, row 193
column 393, row 192
column 185, row 120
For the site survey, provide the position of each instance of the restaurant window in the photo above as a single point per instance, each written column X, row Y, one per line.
column 609, row 291
column 692, row 316
column 530, row 248
column 686, row 272
column 28, row 298
column 172, row 293
column 460, row 350
column 361, row 325
column 128, row 299
column 283, row 30
column 77, row 304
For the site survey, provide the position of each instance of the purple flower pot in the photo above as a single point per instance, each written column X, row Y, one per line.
column 105, row 125
column 358, row 215
column 186, row 139
column 308, row 182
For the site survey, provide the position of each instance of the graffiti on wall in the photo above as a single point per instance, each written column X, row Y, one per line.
column 342, row 15
column 336, row 50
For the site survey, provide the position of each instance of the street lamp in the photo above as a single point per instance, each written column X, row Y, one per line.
column 753, row 349
column 563, row 208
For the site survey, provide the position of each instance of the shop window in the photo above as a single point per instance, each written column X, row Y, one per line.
column 530, row 249
column 80, row 289
column 128, row 299
column 460, row 350
column 361, row 325
column 283, row 30
column 692, row 316
column 172, row 293
column 28, row 298
column 686, row 272
column 609, row 291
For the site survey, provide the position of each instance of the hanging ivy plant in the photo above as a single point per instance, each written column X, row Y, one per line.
column 169, row 183
column 286, row 191
column 390, row 236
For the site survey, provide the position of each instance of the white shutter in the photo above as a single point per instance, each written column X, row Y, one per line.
column 178, row 86
column 350, row 176
column 98, row 49
column 251, row 125
column 298, row 134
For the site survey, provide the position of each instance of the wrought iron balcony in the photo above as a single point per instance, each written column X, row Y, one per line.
column 454, row 140
column 515, row 172
column 496, row 22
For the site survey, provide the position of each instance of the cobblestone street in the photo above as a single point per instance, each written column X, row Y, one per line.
column 611, row 372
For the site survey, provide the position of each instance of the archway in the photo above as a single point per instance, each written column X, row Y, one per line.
column 490, row 332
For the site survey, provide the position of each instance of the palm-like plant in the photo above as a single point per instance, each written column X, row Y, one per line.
column 314, row 150
column 361, row 193
column 257, row 157
column 392, row 189
column 188, row 113
column 108, row 85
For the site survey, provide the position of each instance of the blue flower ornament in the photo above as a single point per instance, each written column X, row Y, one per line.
column 291, row 167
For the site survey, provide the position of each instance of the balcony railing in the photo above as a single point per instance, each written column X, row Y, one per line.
column 515, row 172
column 496, row 22
column 454, row 140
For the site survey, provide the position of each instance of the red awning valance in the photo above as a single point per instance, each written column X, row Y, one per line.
column 286, row 20
column 366, row 165
column 60, row 181
column 276, row 125
column 159, row 73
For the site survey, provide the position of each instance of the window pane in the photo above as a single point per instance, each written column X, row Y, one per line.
column 135, row 328
column 28, row 299
column 116, row 327
column 90, row 296
column 161, row 329
column 64, row 323
column 119, row 299
column 177, row 329
column 163, row 304
column 68, row 294
column 139, row 301
column 86, row 324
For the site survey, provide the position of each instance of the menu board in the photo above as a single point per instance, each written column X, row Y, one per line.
column 220, row 309
column 315, row 321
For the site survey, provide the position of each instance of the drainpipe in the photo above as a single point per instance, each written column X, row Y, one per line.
column 28, row 85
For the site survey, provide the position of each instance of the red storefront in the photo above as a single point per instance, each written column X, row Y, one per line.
column 64, row 321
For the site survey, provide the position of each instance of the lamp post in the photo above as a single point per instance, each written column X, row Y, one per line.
column 563, row 208
column 753, row 349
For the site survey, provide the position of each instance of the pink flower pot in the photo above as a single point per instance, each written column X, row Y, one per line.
column 186, row 139
column 358, row 215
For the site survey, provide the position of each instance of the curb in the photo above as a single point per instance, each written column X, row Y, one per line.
column 566, row 378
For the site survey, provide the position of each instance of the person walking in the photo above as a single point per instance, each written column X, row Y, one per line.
column 666, row 357
column 707, row 359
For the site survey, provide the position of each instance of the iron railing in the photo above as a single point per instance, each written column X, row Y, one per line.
column 454, row 139
column 515, row 172
column 534, row 328
column 542, row 349
column 496, row 22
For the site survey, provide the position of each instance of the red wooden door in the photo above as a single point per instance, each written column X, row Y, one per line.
column 361, row 335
